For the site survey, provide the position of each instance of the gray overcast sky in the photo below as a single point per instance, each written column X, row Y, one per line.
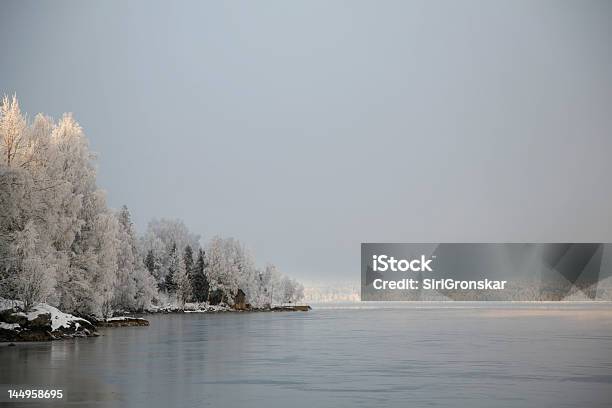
column 305, row 128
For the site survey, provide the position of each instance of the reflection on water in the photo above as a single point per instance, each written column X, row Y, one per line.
column 483, row 356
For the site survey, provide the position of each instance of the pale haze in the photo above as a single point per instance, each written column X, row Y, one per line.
column 306, row 128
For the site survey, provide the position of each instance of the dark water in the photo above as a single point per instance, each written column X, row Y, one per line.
column 493, row 356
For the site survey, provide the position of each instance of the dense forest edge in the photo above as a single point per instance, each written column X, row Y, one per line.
column 62, row 246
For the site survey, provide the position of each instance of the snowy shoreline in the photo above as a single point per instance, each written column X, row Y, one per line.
column 46, row 323
column 222, row 308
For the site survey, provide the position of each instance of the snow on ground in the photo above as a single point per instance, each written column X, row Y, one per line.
column 58, row 318
column 9, row 304
column 121, row 318
column 9, row 326
column 189, row 308
column 208, row 308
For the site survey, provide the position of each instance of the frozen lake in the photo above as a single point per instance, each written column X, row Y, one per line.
column 416, row 355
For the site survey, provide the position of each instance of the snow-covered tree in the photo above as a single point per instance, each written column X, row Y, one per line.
column 127, row 263
column 199, row 282
column 132, row 281
column 170, row 232
column 182, row 284
column 151, row 263
column 13, row 130
column 155, row 259
column 32, row 278
column 173, row 265
column 226, row 260
column 86, row 285
column 270, row 283
column 230, row 267
column 105, row 232
column 291, row 291
column 146, row 289
column 188, row 259
column 160, row 237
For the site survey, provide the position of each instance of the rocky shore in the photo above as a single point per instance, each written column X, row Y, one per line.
column 229, row 309
column 46, row 323
column 42, row 323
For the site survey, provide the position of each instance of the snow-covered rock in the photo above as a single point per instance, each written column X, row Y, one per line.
column 123, row 321
column 43, row 322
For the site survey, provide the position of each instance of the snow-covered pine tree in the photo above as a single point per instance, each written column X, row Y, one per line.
column 127, row 263
column 200, row 283
column 173, row 265
column 151, row 263
column 161, row 235
column 188, row 259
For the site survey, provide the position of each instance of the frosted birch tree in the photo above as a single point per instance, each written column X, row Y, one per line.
column 32, row 277
column 134, row 287
column 13, row 130
column 182, row 284
column 224, row 257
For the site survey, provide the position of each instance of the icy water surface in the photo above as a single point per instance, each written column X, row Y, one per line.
column 431, row 356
